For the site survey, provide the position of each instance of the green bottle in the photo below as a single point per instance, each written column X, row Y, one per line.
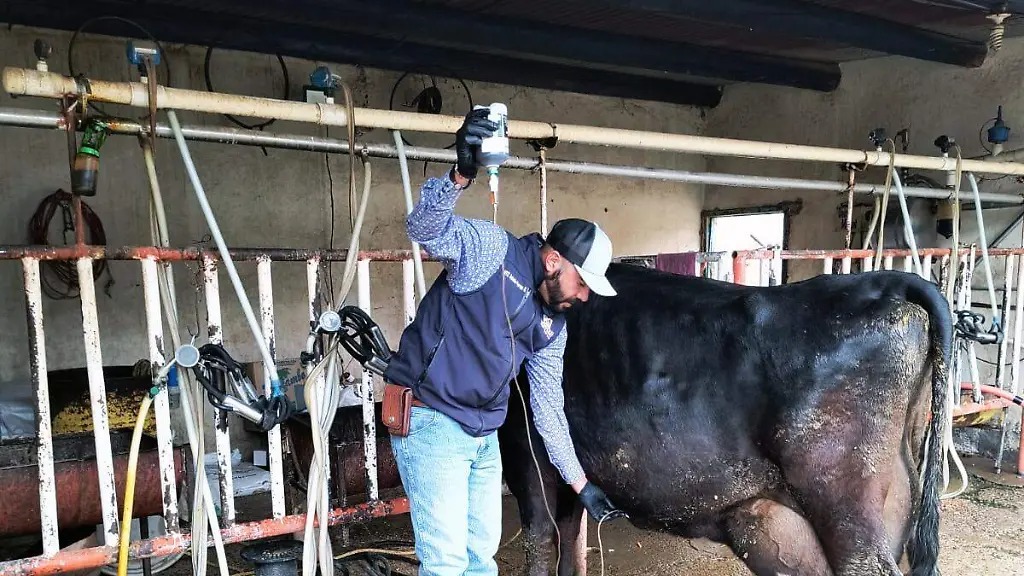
column 87, row 160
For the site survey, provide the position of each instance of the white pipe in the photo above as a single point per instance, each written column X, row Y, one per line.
column 908, row 229
column 43, row 119
column 996, row 321
column 28, row 82
column 243, row 299
column 417, row 259
column 349, row 274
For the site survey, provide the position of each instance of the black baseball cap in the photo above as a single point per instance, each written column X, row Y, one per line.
column 588, row 248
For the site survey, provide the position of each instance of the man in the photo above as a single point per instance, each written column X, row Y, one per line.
column 458, row 358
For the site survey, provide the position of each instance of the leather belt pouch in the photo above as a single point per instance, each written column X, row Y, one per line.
column 396, row 409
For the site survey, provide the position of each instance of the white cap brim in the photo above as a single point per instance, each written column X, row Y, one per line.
column 599, row 284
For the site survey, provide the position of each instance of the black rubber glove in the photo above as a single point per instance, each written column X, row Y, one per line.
column 468, row 138
column 598, row 504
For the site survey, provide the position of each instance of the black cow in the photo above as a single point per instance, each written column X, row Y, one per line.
column 787, row 422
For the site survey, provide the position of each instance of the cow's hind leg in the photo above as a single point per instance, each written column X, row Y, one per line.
column 839, row 466
column 846, row 508
column 773, row 539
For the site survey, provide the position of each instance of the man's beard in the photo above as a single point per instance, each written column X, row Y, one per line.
column 556, row 295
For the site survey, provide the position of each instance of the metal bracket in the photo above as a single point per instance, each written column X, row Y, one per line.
column 543, row 143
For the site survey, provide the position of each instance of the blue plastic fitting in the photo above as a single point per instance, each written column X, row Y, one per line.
column 999, row 133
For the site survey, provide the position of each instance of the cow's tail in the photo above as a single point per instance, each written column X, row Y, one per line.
column 924, row 549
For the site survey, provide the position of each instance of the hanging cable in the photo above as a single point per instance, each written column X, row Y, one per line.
column 60, row 278
column 427, row 101
column 137, row 26
column 234, row 120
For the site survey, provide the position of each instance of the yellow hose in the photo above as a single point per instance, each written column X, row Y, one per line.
column 129, row 487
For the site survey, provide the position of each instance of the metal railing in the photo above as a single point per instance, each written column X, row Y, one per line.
column 53, row 560
column 714, row 265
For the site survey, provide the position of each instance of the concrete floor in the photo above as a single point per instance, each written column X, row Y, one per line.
column 982, row 533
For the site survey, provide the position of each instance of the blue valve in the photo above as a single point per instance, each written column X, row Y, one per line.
column 136, row 54
column 322, row 78
column 999, row 133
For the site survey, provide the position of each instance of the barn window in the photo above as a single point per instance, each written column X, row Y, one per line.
column 751, row 229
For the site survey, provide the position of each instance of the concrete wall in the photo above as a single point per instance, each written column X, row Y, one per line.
column 893, row 93
column 282, row 199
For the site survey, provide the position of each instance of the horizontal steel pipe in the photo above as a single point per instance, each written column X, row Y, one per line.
column 28, row 82
column 78, row 492
column 41, row 119
column 72, row 560
column 193, row 254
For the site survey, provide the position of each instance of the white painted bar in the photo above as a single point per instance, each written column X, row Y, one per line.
column 408, row 291
column 366, row 389
column 1004, row 318
column 44, row 432
column 161, row 405
column 1015, row 355
column 98, row 395
column 887, row 263
column 266, row 290
column 220, row 419
column 908, row 264
column 847, row 264
column 926, row 265
column 1018, row 330
column 714, row 270
column 868, row 264
column 827, row 266
column 312, row 278
column 1018, row 341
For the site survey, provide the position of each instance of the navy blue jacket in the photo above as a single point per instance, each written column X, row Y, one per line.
column 457, row 355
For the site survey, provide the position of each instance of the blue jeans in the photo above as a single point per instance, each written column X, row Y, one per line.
column 453, row 482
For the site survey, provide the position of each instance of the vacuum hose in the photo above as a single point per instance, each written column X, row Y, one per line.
column 229, row 265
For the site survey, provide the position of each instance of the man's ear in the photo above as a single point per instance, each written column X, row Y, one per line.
column 552, row 261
